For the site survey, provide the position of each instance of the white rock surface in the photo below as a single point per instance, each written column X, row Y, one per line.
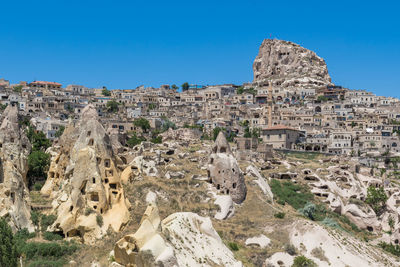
column 226, row 207
column 262, row 241
column 264, row 186
column 195, row 241
column 280, row 259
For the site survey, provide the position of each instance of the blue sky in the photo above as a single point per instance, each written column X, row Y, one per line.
column 124, row 44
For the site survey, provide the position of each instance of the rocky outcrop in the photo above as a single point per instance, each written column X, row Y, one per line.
column 146, row 247
column 14, row 151
column 287, row 64
column 195, row 241
column 185, row 239
column 224, row 172
column 85, row 183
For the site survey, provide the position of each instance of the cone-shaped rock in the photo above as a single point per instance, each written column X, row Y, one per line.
column 85, row 183
column 14, row 151
column 224, row 172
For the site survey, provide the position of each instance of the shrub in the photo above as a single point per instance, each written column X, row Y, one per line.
column 233, row 246
column 330, row 222
column 37, row 186
column 302, row 261
column 46, row 221
column 48, row 263
column 290, row 249
column 376, row 198
column 156, row 140
column 391, row 222
column 35, row 217
column 51, row 236
column 60, row 131
column 279, row 215
column 8, row 250
column 99, row 220
column 34, row 250
column 394, row 249
column 135, row 140
column 309, row 211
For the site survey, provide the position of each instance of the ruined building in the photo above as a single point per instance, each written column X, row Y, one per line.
column 224, row 172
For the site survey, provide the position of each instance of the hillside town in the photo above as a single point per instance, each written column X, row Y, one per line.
column 307, row 116
column 287, row 170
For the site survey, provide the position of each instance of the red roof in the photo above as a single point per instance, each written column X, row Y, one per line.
column 280, row 127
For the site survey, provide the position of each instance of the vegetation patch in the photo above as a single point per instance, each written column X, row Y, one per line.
column 294, row 195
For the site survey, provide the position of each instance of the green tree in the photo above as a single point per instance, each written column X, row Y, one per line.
column 247, row 132
column 302, row 261
column 135, row 140
column 60, row 131
column 255, row 132
column 167, row 124
column 152, row 106
column 105, row 91
column 38, row 162
column 376, row 198
column 216, row 131
column 240, row 90
column 322, row 98
column 185, row 86
column 156, row 139
column 8, row 250
column 174, row 87
column 18, row 89
column 142, row 123
column 38, row 139
column 112, row 106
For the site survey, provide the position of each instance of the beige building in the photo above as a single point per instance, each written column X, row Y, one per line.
column 280, row 136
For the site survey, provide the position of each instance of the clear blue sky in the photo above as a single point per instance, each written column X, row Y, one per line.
column 123, row 44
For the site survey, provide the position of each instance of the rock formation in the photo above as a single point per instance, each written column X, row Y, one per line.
column 287, row 64
column 185, row 239
column 224, row 172
column 195, row 241
column 14, row 151
column 146, row 247
column 85, row 183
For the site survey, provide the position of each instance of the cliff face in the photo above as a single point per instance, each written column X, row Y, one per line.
column 14, row 151
column 287, row 64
